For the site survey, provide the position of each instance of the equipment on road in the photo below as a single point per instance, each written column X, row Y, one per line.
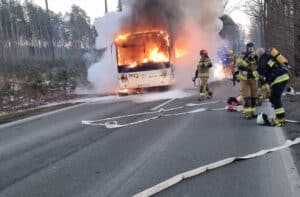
column 263, row 119
column 290, row 90
column 235, row 104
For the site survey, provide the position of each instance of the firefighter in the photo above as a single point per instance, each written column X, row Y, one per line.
column 231, row 57
column 229, row 64
column 276, row 76
column 202, row 72
column 248, row 77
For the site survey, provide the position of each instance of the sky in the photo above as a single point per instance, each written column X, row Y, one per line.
column 95, row 8
column 237, row 14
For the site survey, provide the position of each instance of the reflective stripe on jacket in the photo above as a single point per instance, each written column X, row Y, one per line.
column 281, row 79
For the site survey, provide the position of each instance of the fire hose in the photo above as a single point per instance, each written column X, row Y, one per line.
column 203, row 169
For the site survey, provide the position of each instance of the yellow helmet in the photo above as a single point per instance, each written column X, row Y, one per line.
column 230, row 52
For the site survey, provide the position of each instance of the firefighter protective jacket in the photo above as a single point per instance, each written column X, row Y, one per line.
column 273, row 72
column 247, row 68
column 203, row 67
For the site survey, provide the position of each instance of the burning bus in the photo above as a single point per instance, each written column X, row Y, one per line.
column 144, row 60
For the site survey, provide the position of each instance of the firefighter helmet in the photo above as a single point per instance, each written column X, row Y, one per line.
column 231, row 52
column 203, row 52
column 250, row 47
column 263, row 119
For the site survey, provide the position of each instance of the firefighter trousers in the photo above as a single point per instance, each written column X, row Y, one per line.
column 275, row 99
column 249, row 91
column 204, row 89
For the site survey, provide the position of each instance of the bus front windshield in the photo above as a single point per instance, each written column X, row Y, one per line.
column 143, row 50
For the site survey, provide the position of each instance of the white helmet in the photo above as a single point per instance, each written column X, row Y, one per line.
column 291, row 91
column 262, row 119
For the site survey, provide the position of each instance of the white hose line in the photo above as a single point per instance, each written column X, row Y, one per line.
column 195, row 172
column 101, row 121
column 111, row 123
column 115, row 124
column 293, row 121
column 163, row 104
column 201, row 104
column 294, row 94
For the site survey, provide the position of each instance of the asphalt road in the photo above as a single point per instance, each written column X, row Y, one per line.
column 58, row 156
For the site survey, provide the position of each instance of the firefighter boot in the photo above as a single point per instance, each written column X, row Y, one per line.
column 202, row 93
column 248, row 110
column 253, row 106
column 210, row 93
column 277, row 122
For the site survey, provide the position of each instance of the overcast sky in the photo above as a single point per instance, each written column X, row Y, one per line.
column 95, row 8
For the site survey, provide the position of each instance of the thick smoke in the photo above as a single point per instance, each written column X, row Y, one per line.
column 193, row 25
column 171, row 15
column 152, row 14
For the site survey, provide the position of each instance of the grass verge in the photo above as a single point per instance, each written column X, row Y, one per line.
column 6, row 118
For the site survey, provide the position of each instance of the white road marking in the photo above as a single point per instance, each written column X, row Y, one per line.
column 198, row 171
column 163, row 104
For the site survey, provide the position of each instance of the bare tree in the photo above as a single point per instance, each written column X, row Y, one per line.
column 50, row 31
column 256, row 10
column 106, row 7
column 229, row 7
column 120, row 6
column 297, row 36
column 226, row 2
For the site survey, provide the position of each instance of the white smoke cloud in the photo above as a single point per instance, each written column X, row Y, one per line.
column 103, row 74
column 194, row 39
column 200, row 30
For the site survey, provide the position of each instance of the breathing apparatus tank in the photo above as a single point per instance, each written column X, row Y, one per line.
column 278, row 56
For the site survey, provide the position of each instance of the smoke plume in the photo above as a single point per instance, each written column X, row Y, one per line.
column 193, row 25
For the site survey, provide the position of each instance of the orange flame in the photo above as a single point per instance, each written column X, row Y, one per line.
column 143, row 47
column 156, row 56
column 180, row 52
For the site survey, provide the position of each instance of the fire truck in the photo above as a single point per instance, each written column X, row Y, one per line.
column 144, row 61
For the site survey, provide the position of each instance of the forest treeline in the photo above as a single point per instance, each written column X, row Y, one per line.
column 26, row 33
